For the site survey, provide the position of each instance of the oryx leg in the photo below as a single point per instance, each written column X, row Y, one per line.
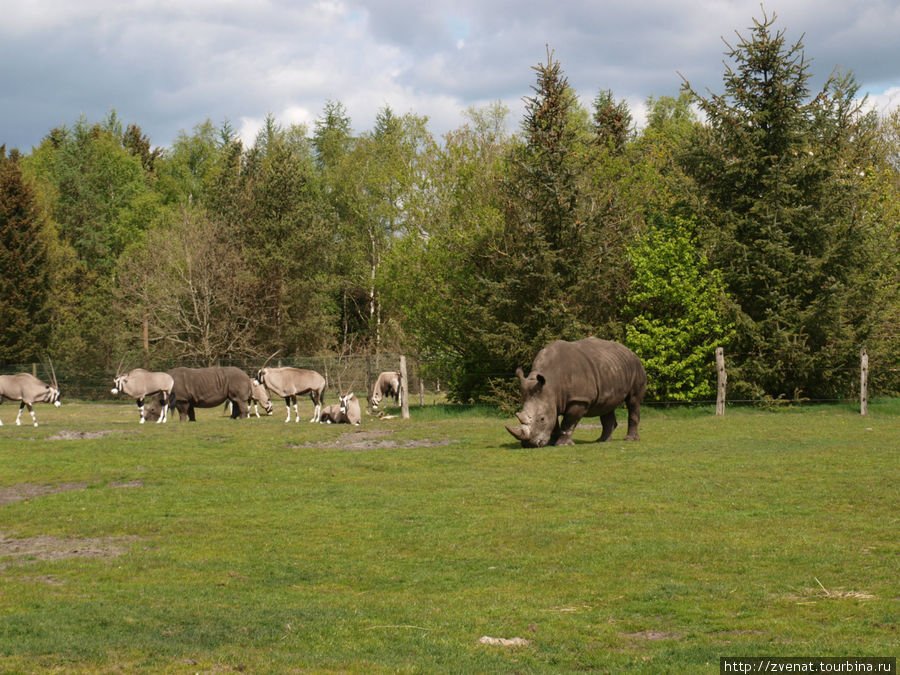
column 296, row 408
column 30, row 409
column 165, row 409
column 287, row 404
column 140, row 405
column 317, row 414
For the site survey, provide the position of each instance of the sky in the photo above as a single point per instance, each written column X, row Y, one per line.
column 169, row 65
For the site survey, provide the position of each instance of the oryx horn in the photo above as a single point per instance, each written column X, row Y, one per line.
column 274, row 354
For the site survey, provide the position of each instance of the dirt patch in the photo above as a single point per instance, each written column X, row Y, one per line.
column 372, row 440
column 127, row 484
column 24, row 491
column 43, row 547
column 66, row 435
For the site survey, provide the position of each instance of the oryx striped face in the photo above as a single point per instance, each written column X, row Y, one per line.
column 53, row 395
column 118, row 384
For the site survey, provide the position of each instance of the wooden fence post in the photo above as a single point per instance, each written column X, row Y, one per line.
column 404, row 384
column 722, row 379
column 863, row 382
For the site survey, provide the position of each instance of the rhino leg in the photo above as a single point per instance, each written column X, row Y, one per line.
column 609, row 424
column 562, row 435
column 634, row 417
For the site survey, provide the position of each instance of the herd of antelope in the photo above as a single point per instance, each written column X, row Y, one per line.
column 188, row 388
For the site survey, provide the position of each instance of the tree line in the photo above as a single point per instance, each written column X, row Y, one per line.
column 767, row 224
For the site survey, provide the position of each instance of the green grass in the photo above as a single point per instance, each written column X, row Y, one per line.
column 268, row 547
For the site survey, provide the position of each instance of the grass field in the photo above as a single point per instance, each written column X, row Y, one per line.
column 257, row 546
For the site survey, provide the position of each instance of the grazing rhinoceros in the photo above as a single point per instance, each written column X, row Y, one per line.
column 589, row 377
column 210, row 387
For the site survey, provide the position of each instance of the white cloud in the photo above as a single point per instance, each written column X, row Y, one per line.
column 168, row 65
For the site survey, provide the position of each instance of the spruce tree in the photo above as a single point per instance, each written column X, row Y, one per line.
column 778, row 172
column 24, row 283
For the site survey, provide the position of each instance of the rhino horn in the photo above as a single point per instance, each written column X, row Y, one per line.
column 524, row 419
column 522, row 433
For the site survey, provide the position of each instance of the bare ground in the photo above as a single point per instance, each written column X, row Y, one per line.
column 25, row 491
column 17, row 551
column 372, row 440
column 44, row 547
column 66, row 435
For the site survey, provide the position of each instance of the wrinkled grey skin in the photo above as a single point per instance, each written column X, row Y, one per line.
column 205, row 388
column 590, row 377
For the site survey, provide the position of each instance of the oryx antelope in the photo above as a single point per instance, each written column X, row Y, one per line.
column 29, row 390
column 345, row 412
column 259, row 396
column 289, row 383
column 388, row 383
column 140, row 383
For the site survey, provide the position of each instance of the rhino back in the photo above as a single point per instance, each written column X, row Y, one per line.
column 238, row 383
column 204, row 387
column 598, row 372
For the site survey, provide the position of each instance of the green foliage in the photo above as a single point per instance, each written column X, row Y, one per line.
column 433, row 270
column 612, row 121
column 676, row 312
column 779, row 175
column 25, row 283
column 477, row 249
column 284, row 237
column 525, row 273
column 96, row 182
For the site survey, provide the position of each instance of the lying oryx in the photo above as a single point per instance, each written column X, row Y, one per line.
column 388, row 383
column 140, row 383
column 289, row 383
column 28, row 389
column 345, row 412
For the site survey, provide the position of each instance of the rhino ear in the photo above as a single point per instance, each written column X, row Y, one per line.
column 521, row 375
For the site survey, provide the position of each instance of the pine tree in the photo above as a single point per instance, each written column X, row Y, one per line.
column 24, row 284
column 778, row 173
column 527, row 273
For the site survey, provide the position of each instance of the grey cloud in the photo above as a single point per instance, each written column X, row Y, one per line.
column 168, row 67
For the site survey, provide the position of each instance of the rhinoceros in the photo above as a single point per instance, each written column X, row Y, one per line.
column 210, row 387
column 590, row 377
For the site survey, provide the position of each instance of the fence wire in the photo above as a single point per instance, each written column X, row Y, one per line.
column 358, row 374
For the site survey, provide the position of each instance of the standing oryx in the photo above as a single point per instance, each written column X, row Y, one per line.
column 290, row 383
column 388, row 383
column 345, row 412
column 28, row 389
column 140, row 383
column 258, row 397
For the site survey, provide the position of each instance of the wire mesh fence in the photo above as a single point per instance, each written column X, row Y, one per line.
column 342, row 375
column 424, row 382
